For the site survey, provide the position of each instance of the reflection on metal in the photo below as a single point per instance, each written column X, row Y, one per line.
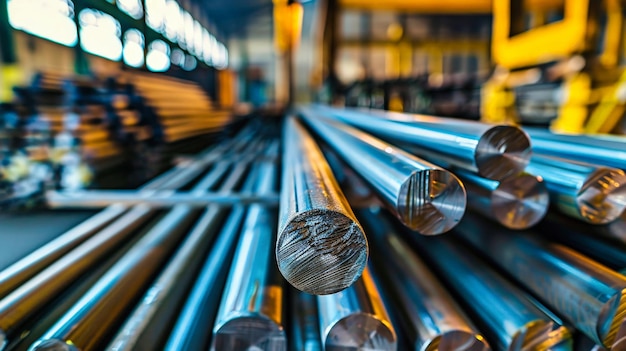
column 305, row 333
column 425, row 197
column 593, row 193
column 517, row 202
column 321, row 248
column 492, row 151
column 356, row 319
column 250, row 316
column 587, row 294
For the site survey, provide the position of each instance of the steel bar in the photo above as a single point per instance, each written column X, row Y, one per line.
column 321, row 247
column 305, row 333
column 432, row 319
column 250, row 316
column 593, row 193
column 517, row 202
column 91, row 318
column 513, row 321
column 160, row 199
column 492, row 151
column 356, row 318
column 425, row 197
column 585, row 293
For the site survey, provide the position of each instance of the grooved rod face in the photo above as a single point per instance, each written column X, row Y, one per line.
column 321, row 247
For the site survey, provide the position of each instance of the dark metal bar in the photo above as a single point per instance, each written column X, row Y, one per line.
column 321, row 247
column 305, row 333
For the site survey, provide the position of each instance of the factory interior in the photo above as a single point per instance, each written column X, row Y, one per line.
column 313, row 175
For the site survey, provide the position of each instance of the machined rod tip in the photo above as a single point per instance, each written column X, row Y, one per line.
column 250, row 333
column 321, row 251
column 502, row 151
column 432, row 201
column 458, row 340
column 520, row 202
column 611, row 325
column 542, row 335
column 360, row 331
column 602, row 198
column 53, row 345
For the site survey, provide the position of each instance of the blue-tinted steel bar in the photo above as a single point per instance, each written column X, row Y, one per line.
column 305, row 332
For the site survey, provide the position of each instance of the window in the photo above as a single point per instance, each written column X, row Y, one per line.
column 132, row 7
column 155, row 14
column 174, row 22
column 49, row 19
column 133, row 48
column 178, row 57
column 100, row 34
column 158, row 58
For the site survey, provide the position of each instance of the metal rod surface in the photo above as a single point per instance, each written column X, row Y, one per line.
column 321, row 247
column 305, row 333
column 492, row 151
column 425, row 197
column 585, row 293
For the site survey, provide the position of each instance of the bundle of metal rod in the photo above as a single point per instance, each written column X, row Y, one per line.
column 492, row 151
column 585, row 293
column 517, row 202
column 356, row 318
column 251, row 310
column 425, row 197
column 592, row 193
column 321, row 247
column 431, row 317
column 512, row 320
column 305, row 332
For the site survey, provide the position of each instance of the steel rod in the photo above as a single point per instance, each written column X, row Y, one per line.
column 425, row 197
column 356, row 318
column 592, row 193
column 585, row 293
column 493, row 151
column 251, row 310
column 305, row 333
column 517, row 202
column 321, row 247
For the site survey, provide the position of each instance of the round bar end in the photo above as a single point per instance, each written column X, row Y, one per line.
column 502, row 151
column 360, row 331
column 249, row 333
column 611, row 324
column 520, row 202
column 602, row 198
column 458, row 340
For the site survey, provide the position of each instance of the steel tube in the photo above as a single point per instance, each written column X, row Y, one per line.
column 356, row 318
column 592, row 193
column 321, row 247
column 425, row 197
column 251, row 310
column 305, row 333
column 493, row 151
column 585, row 293
column 517, row 202
column 432, row 319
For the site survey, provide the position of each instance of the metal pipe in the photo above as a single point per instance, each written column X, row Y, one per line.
column 432, row 319
column 425, row 197
column 251, row 310
column 585, row 293
column 517, row 202
column 592, row 193
column 91, row 318
column 321, row 247
column 356, row 318
column 160, row 199
column 513, row 321
column 493, row 151
column 305, row 333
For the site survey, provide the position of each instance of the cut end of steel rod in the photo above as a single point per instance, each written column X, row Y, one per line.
column 458, row 340
column 360, row 331
column 502, row 151
column 602, row 198
column 520, row 202
column 321, row 252
column 432, row 201
column 612, row 322
column 250, row 333
column 542, row 335
column 53, row 345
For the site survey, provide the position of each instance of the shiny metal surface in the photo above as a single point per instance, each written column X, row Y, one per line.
column 432, row 319
column 593, row 193
column 356, row 319
column 517, row 202
column 305, row 332
column 514, row 321
column 321, row 247
column 585, row 293
column 425, row 197
column 250, row 315
column 492, row 151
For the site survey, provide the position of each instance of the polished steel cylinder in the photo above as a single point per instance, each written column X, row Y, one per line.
column 305, row 332
column 592, row 193
column 588, row 295
column 356, row 318
column 432, row 319
column 517, row 202
column 425, row 197
column 250, row 316
column 492, row 151
column 321, row 247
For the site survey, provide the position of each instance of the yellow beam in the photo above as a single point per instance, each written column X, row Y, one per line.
column 422, row 6
column 443, row 45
